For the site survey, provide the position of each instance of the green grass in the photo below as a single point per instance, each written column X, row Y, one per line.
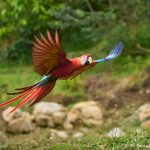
column 14, row 77
column 135, row 139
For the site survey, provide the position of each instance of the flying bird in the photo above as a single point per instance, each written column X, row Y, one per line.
column 51, row 62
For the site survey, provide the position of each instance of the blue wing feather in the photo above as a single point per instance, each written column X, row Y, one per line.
column 115, row 52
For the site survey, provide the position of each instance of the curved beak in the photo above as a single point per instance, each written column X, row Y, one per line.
column 88, row 61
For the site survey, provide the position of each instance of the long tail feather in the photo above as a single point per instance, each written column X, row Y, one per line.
column 29, row 97
column 27, row 87
column 22, row 90
column 43, row 92
column 34, row 94
column 15, row 93
column 14, row 99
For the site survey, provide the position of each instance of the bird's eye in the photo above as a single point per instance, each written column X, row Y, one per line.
column 90, row 60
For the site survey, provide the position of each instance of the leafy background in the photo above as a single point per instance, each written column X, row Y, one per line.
column 81, row 25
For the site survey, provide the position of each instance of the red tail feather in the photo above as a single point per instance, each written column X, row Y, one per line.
column 43, row 92
column 29, row 97
column 15, row 99
column 32, row 94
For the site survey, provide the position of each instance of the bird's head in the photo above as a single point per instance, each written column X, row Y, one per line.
column 86, row 59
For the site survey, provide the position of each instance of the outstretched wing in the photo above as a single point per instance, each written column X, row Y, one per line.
column 47, row 53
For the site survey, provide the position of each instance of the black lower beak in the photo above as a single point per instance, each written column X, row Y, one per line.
column 87, row 63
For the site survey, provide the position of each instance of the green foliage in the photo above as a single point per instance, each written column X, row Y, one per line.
column 143, row 35
column 14, row 77
column 19, row 50
column 82, row 24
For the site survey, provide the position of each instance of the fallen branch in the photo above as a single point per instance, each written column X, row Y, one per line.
column 139, row 46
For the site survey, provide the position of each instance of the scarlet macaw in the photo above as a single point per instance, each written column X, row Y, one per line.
column 50, row 61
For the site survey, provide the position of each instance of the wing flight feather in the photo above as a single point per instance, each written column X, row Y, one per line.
column 47, row 53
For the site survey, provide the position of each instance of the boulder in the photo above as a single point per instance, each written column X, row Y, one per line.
column 47, row 108
column 21, row 124
column 84, row 113
column 49, row 114
column 3, row 138
column 146, row 124
column 144, row 112
column 144, row 115
column 44, row 121
column 58, row 134
column 8, row 117
column 84, row 130
column 59, row 117
column 78, row 135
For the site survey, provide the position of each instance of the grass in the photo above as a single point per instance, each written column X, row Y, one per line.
column 135, row 139
column 14, row 77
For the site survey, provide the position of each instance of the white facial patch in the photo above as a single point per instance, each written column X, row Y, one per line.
column 83, row 60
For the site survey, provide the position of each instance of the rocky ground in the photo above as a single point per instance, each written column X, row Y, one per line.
column 111, row 106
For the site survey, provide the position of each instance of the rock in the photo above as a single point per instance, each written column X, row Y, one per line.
column 78, row 135
column 47, row 108
column 21, row 124
column 49, row 114
column 58, row 134
column 144, row 115
column 3, row 138
column 144, row 112
column 116, row 132
column 59, row 117
column 68, row 124
column 146, row 124
column 84, row 113
column 8, row 117
column 44, row 121
column 17, row 121
column 84, row 130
